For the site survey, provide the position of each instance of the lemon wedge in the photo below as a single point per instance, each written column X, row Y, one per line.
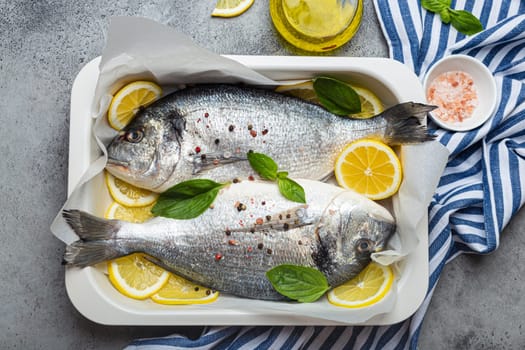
column 231, row 8
column 371, row 105
column 129, row 195
column 136, row 277
column 127, row 101
column 367, row 288
column 180, row 291
column 370, row 168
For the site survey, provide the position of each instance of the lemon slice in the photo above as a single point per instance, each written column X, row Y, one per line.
column 129, row 195
column 367, row 288
column 371, row 105
column 369, row 167
column 302, row 90
column 181, row 291
column 136, row 277
column 231, row 8
column 130, row 214
column 129, row 99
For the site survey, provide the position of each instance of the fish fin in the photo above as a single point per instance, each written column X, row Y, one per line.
column 82, row 253
column 96, row 242
column 405, row 123
column 285, row 220
column 207, row 161
column 167, row 267
column 89, row 227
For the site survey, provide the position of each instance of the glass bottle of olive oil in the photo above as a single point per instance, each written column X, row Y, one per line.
column 316, row 25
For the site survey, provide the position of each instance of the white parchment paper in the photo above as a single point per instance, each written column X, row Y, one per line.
column 140, row 49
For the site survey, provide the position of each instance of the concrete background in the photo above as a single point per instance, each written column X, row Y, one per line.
column 478, row 303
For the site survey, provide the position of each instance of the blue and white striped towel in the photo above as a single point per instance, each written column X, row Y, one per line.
column 478, row 193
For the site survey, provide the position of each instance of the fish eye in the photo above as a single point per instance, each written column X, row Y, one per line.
column 134, row 136
column 364, row 245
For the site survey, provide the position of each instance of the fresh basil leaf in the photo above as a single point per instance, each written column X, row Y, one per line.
column 187, row 200
column 445, row 15
column 291, row 190
column 282, row 174
column 304, row 284
column 435, row 5
column 191, row 188
column 267, row 169
column 263, row 165
column 465, row 22
column 336, row 96
column 186, row 208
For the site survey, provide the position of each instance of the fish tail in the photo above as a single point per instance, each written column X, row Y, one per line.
column 97, row 239
column 405, row 123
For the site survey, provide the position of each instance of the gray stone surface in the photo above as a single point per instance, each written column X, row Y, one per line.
column 478, row 303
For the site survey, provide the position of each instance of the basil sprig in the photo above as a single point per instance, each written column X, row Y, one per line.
column 304, row 284
column 268, row 169
column 336, row 96
column 187, row 199
column 464, row 21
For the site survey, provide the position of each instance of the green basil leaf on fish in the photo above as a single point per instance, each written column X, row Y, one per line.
column 191, row 188
column 267, row 169
column 282, row 174
column 263, row 165
column 291, row 189
column 304, row 284
column 337, row 96
column 187, row 200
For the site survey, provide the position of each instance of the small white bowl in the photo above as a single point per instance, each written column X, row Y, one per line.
column 483, row 81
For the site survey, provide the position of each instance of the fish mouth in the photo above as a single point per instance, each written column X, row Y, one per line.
column 117, row 164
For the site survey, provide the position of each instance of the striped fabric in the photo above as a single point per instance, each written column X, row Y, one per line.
column 479, row 192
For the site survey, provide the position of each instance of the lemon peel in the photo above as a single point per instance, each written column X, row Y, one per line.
column 369, row 287
column 127, row 194
column 179, row 291
column 129, row 99
column 131, row 214
column 231, row 8
column 136, row 277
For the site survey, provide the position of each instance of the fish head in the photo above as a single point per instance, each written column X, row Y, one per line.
column 146, row 152
column 353, row 229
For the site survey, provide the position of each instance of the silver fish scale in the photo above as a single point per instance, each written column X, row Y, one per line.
column 230, row 247
column 229, row 121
